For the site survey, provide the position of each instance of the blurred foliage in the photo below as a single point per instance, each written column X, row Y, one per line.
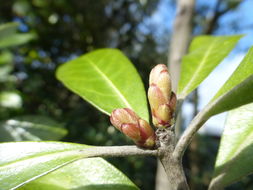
column 65, row 29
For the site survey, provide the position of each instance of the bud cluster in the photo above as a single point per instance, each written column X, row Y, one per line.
column 161, row 99
column 137, row 129
column 162, row 103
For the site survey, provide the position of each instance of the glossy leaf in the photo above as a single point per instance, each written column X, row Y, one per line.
column 237, row 90
column 205, row 53
column 86, row 174
column 23, row 162
column 234, row 159
column 31, row 127
column 107, row 80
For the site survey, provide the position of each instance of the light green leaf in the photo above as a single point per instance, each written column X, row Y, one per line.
column 205, row 53
column 5, row 57
column 85, row 174
column 234, row 159
column 10, row 37
column 32, row 127
column 16, row 39
column 237, row 90
column 23, row 162
column 106, row 79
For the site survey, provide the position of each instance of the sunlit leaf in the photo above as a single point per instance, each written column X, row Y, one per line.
column 205, row 53
column 107, row 80
column 237, row 90
column 31, row 127
column 234, row 159
column 86, row 174
column 23, row 162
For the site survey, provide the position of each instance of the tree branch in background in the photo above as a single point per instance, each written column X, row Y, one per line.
column 217, row 13
column 181, row 36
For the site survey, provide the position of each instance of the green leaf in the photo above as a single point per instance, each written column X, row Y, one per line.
column 86, row 174
column 107, row 80
column 16, row 39
column 10, row 37
column 205, row 53
column 234, row 159
column 237, row 90
column 31, row 127
column 5, row 57
column 23, row 162
column 8, row 29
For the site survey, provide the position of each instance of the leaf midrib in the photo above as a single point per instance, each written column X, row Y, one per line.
column 110, row 83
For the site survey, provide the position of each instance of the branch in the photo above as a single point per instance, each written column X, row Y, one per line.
column 117, row 151
column 189, row 133
column 211, row 22
column 182, row 31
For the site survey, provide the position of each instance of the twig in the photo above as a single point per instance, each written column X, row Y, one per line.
column 189, row 133
column 117, row 151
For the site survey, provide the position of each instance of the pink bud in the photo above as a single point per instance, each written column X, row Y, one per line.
column 129, row 123
column 124, row 115
column 161, row 99
column 159, row 76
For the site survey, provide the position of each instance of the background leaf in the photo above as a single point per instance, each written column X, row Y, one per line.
column 10, row 37
column 205, row 53
column 16, row 39
column 107, row 80
column 234, row 159
column 86, row 174
column 33, row 127
column 8, row 29
column 23, row 162
column 237, row 90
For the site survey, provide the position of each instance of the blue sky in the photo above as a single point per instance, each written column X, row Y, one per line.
column 238, row 21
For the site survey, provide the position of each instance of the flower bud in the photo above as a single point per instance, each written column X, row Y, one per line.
column 129, row 123
column 161, row 99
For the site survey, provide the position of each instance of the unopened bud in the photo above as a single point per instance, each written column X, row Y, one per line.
column 159, row 76
column 129, row 123
column 161, row 99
